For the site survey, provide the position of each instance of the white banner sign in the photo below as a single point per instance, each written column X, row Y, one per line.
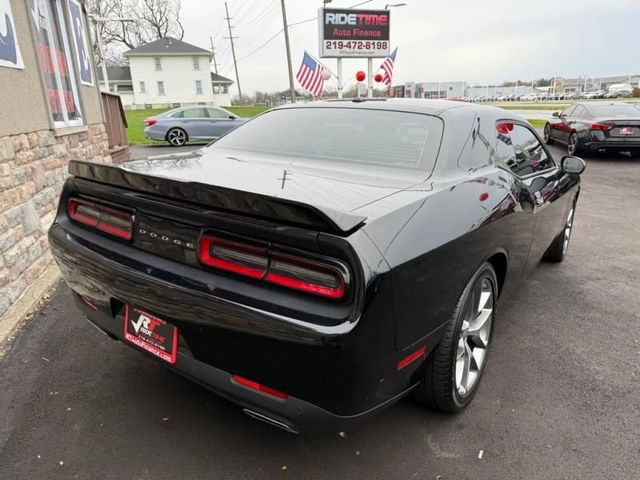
column 10, row 55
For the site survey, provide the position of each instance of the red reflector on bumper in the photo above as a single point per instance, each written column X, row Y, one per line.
column 421, row 352
column 259, row 387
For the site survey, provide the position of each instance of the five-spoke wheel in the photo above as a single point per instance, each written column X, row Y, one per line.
column 177, row 137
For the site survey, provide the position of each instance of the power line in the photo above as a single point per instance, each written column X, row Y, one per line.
column 263, row 45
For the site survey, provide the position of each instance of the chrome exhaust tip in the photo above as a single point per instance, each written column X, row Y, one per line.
column 269, row 420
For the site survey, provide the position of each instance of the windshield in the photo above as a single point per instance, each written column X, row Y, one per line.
column 349, row 136
column 615, row 111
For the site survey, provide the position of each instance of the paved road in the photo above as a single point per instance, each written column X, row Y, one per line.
column 559, row 401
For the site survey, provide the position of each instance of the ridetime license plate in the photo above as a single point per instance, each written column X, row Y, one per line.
column 151, row 333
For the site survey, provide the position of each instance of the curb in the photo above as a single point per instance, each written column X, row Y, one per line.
column 29, row 301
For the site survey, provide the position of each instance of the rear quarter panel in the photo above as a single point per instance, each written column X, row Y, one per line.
column 441, row 240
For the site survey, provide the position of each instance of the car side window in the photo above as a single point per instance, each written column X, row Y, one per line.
column 568, row 112
column 193, row 113
column 215, row 113
column 519, row 150
column 578, row 112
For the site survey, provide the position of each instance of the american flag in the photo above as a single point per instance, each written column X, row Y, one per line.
column 387, row 67
column 310, row 75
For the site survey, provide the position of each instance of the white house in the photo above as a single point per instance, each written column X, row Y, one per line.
column 168, row 73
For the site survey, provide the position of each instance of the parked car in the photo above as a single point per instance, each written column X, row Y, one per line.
column 184, row 124
column 324, row 260
column 573, row 95
column 596, row 126
column 530, row 97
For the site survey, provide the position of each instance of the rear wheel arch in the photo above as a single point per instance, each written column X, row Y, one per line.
column 499, row 263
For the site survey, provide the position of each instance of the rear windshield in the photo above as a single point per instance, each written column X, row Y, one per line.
column 343, row 135
column 613, row 111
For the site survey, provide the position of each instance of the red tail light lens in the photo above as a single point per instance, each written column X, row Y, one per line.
column 285, row 270
column 600, row 126
column 234, row 257
column 106, row 219
column 150, row 121
column 259, row 387
column 318, row 279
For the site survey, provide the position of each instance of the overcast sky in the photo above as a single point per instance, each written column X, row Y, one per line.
column 474, row 40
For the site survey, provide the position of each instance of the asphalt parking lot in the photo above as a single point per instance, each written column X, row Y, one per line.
column 559, row 399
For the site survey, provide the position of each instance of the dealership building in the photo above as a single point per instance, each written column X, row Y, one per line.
column 462, row 89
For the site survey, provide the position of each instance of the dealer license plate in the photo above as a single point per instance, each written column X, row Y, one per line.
column 151, row 333
column 626, row 131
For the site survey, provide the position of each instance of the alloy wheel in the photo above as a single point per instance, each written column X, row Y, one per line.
column 567, row 232
column 547, row 133
column 177, row 137
column 475, row 335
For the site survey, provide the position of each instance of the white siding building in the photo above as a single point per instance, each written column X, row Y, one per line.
column 168, row 73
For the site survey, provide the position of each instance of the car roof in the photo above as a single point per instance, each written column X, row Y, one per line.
column 409, row 105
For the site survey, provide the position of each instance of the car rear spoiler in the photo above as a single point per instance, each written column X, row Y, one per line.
column 221, row 198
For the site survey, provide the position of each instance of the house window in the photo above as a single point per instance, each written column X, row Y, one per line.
column 158, row 64
column 198, row 87
column 216, row 89
column 224, row 89
column 143, row 87
column 55, row 62
column 160, row 87
column 196, row 63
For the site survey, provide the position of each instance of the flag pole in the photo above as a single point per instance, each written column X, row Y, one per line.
column 339, row 78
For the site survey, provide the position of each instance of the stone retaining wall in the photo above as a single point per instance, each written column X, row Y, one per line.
column 33, row 167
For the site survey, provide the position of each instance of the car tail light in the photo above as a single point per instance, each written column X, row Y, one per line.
column 150, row 121
column 289, row 271
column 234, row 257
column 106, row 219
column 259, row 387
column 604, row 127
column 504, row 128
column 310, row 277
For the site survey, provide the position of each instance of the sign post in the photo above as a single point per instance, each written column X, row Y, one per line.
column 347, row 33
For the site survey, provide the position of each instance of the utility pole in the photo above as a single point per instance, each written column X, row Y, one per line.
column 288, row 47
column 233, row 51
column 213, row 52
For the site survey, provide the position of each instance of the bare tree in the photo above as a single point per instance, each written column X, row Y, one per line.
column 153, row 19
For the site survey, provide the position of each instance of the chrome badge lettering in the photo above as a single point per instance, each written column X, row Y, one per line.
column 165, row 239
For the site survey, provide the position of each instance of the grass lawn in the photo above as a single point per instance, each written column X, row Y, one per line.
column 135, row 120
column 536, row 122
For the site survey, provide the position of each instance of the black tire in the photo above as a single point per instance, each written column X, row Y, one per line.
column 177, row 137
column 573, row 145
column 438, row 389
column 557, row 251
column 547, row 135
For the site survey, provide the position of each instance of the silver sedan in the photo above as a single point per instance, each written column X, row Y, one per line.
column 180, row 125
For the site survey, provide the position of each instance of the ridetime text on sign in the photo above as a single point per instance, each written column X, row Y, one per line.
column 354, row 33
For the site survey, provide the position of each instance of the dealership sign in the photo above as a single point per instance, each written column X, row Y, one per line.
column 353, row 33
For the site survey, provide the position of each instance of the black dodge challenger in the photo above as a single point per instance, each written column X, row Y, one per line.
column 323, row 260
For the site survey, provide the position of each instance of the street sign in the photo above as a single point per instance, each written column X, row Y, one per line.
column 353, row 33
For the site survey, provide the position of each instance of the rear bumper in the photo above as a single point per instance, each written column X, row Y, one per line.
column 622, row 145
column 292, row 414
column 333, row 377
column 152, row 134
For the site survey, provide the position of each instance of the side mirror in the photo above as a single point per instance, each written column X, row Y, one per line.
column 232, row 117
column 555, row 114
column 572, row 165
